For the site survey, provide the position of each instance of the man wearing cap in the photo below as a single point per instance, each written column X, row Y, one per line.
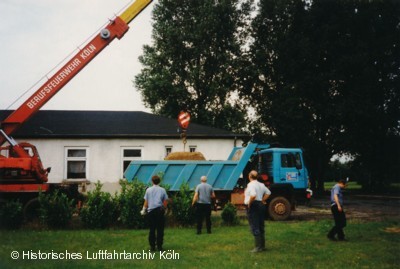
column 203, row 195
column 337, row 211
column 255, row 197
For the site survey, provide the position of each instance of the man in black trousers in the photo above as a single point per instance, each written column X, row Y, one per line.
column 338, row 212
column 203, row 196
column 255, row 197
column 155, row 200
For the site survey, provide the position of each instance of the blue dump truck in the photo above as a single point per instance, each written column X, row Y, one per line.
column 282, row 170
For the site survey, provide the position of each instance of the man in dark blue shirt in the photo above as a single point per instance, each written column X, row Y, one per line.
column 155, row 200
column 337, row 211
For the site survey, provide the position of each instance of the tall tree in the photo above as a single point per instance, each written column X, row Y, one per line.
column 194, row 60
column 370, row 92
column 322, row 70
column 291, row 81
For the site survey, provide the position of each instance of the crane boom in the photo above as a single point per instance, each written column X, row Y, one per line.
column 115, row 29
column 22, row 164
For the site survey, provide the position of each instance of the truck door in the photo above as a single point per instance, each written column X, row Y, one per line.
column 265, row 167
column 291, row 169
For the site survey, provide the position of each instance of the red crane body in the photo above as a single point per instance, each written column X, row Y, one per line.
column 21, row 169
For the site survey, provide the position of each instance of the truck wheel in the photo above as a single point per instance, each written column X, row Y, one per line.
column 279, row 209
column 31, row 209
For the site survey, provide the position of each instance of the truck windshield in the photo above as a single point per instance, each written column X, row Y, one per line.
column 291, row 160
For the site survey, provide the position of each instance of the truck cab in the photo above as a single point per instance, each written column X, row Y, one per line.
column 283, row 165
column 283, row 171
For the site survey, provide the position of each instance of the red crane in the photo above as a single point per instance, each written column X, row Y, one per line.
column 21, row 169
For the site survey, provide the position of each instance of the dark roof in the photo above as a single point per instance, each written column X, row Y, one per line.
column 108, row 124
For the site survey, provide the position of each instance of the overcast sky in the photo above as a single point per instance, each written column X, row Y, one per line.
column 35, row 35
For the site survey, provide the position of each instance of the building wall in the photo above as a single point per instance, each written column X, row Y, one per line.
column 104, row 156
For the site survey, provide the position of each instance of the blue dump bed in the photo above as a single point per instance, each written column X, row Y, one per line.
column 222, row 175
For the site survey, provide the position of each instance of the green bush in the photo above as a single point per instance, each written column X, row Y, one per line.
column 11, row 215
column 182, row 210
column 100, row 209
column 130, row 203
column 229, row 214
column 55, row 209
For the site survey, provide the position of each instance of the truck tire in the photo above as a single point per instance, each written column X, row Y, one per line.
column 279, row 209
column 31, row 210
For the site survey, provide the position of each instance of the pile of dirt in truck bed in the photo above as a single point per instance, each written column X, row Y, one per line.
column 185, row 156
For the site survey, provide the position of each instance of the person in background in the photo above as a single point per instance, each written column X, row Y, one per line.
column 155, row 201
column 338, row 212
column 202, row 198
column 255, row 197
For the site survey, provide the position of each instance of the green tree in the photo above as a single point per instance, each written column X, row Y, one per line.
column 291, row 81
column 323, row 73
column 194, row 60
column 370, row 96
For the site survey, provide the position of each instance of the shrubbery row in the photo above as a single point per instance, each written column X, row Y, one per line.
column 56, row 209
column 102, row 210
column 11, row 215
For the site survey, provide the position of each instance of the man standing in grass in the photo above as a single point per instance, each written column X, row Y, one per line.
column 337, row 211
column 155, row 200
column 203, row 196
column 255, row 197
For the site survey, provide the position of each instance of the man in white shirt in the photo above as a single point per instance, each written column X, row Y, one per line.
column 255, row 197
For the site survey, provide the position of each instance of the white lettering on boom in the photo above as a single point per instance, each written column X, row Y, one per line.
column 88, row 51
column 52, row 84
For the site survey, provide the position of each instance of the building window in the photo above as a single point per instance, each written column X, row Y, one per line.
column 168, row 150
column 76, row 160
column 128, row 155
column 192, row 148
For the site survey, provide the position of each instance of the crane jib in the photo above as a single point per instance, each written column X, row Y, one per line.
column 115, row 29
column 63, row 74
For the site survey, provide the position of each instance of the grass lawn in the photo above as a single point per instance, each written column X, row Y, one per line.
column 355, row 187
column 350, row 185
column 290, row 245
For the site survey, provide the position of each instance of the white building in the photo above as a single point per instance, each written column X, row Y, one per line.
column 99, row 145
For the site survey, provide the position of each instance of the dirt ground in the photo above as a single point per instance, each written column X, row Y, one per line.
column 357, row 206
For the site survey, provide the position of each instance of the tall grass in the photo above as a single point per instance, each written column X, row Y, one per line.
column 289, row 245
